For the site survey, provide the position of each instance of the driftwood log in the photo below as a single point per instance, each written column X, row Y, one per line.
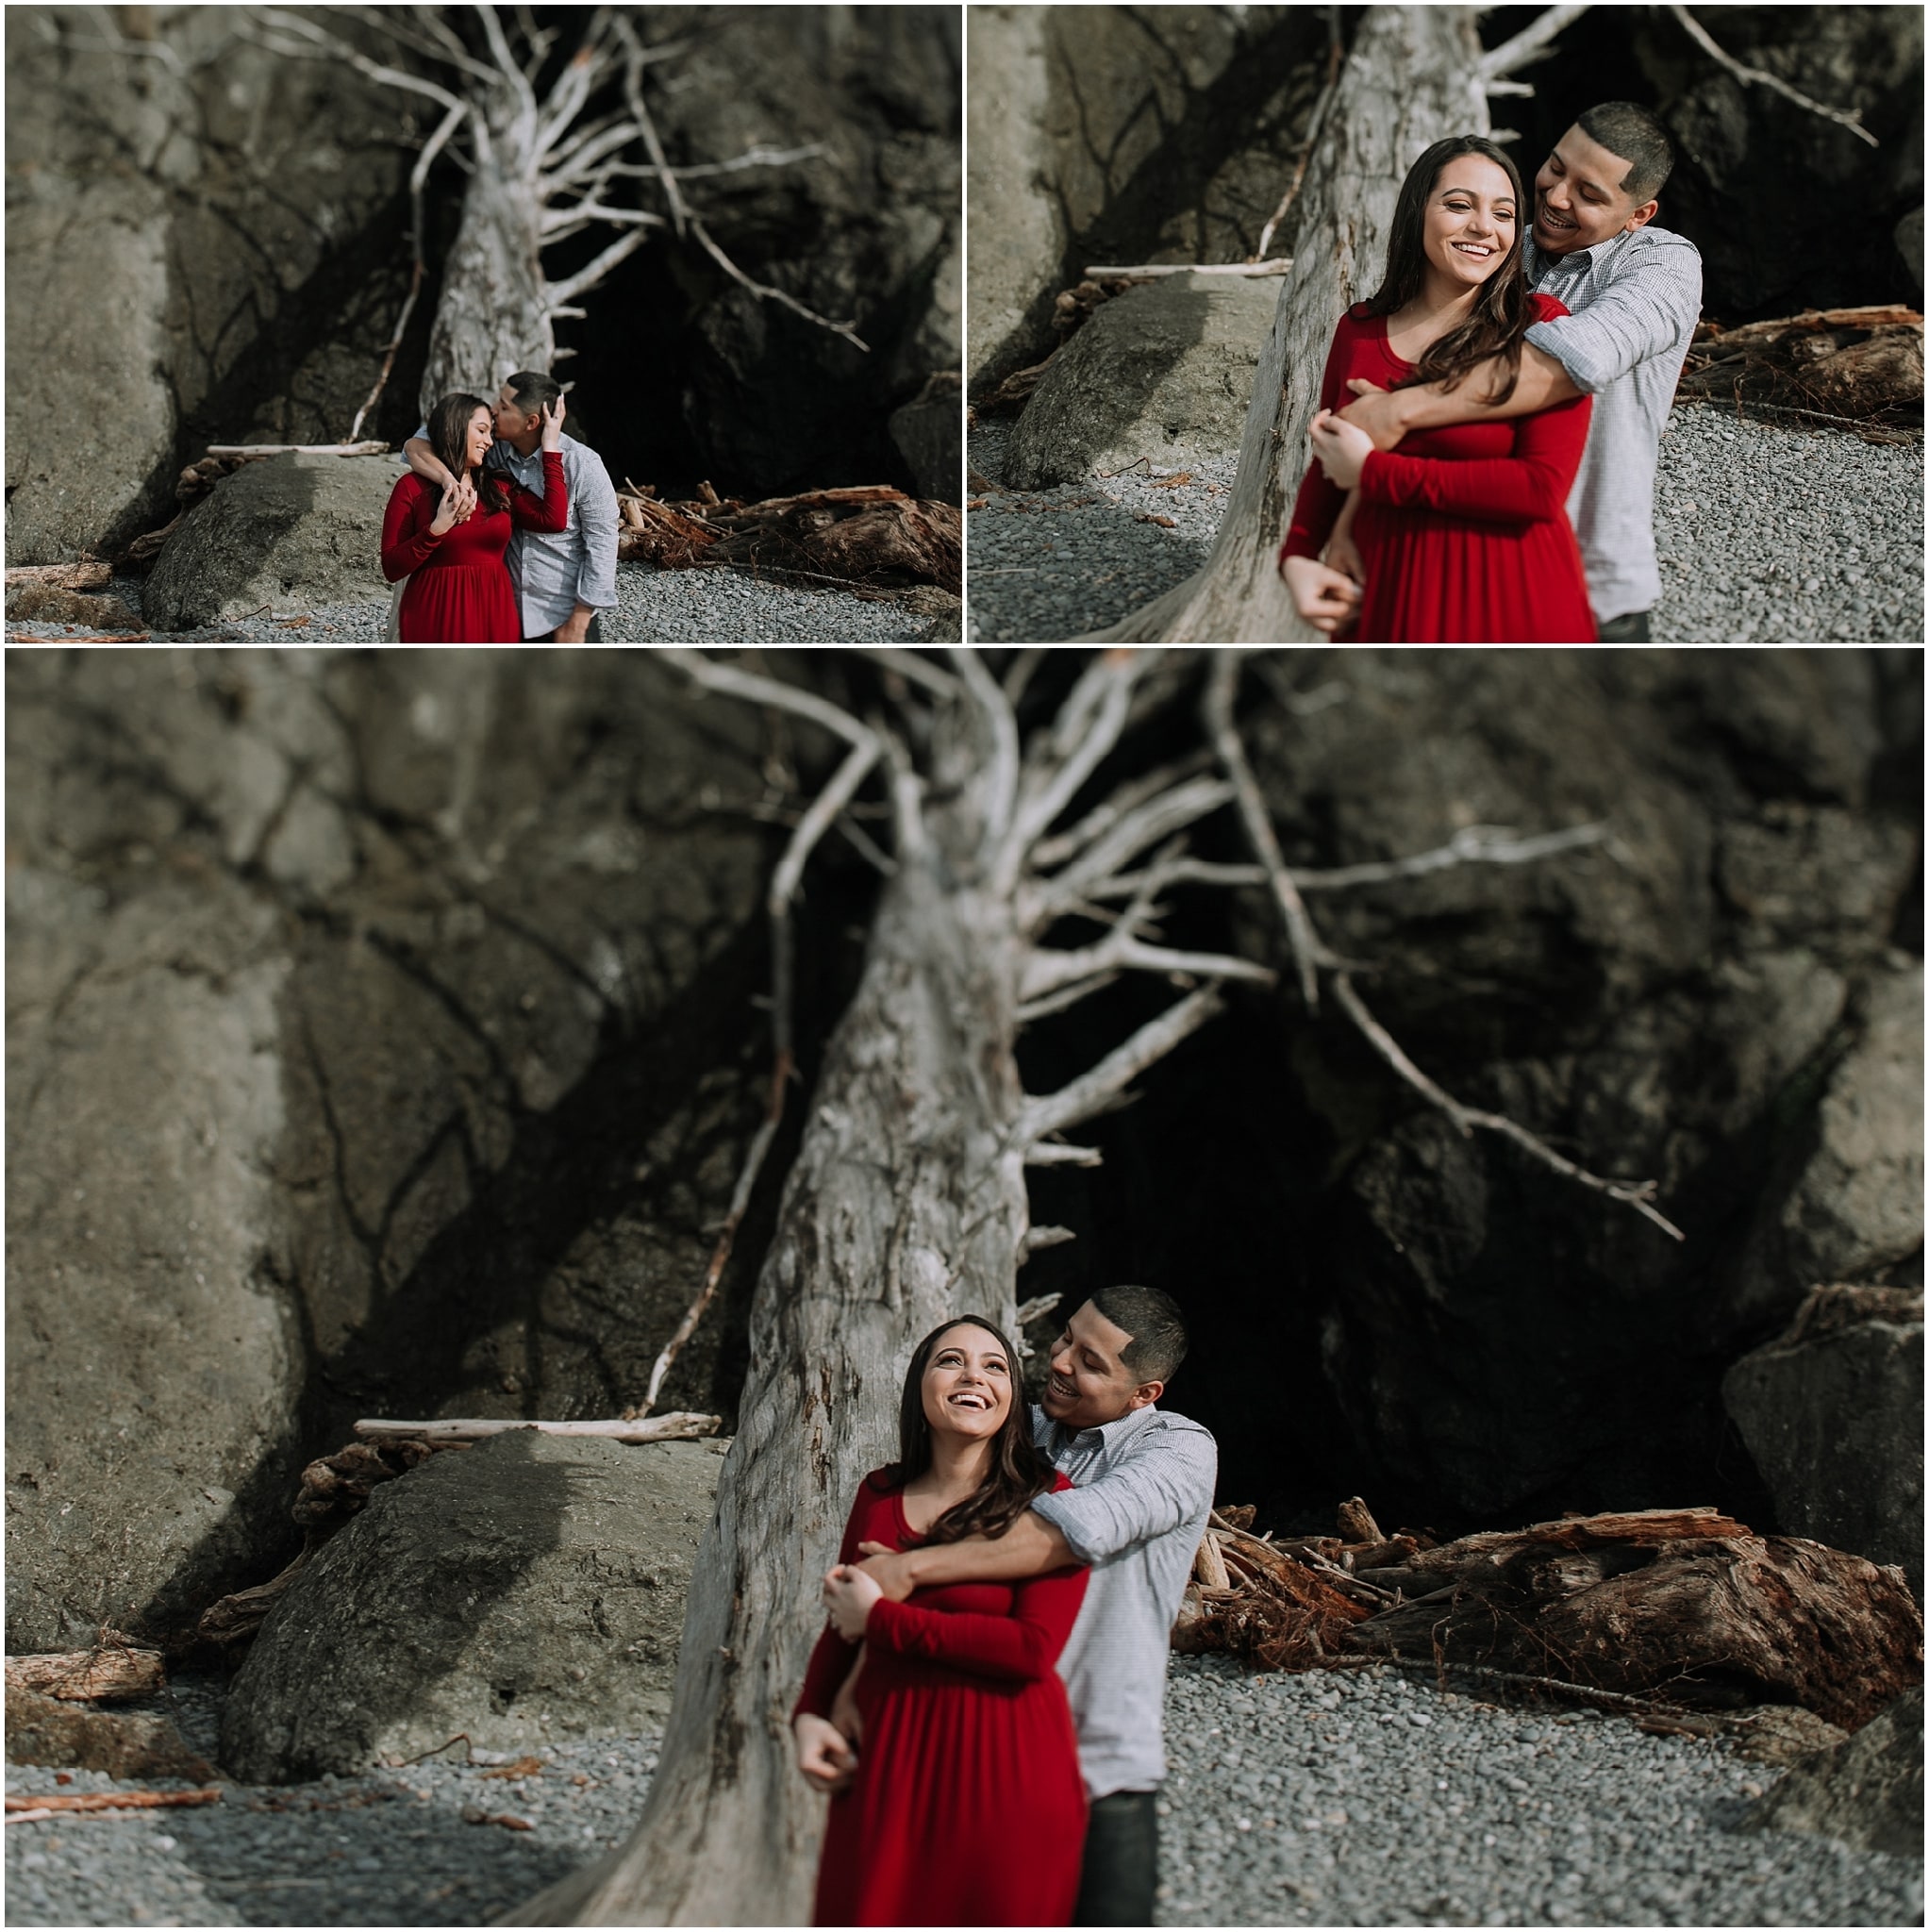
column 116, row 1669
column 871, row 539
column 1850, row 364
column 1678, row 1606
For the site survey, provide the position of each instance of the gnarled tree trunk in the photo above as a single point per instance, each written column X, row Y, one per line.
column 1414, row 76
column 492, row 317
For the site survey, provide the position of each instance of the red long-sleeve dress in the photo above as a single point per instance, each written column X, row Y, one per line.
column 968, row 1808
column 1462, row 531
column 458, row 590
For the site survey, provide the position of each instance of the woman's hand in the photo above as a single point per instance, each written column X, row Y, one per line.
column 1324, row 598
column 823, row 1756
column 466, row 500
column 553, row 414
column 449, row 512
column 1338, row 448
column 848, row 1594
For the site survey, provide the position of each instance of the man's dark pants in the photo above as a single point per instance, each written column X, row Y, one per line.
column 1629, row 629
column 1120, row 1872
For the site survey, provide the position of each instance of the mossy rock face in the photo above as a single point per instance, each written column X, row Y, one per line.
column 526, row 1591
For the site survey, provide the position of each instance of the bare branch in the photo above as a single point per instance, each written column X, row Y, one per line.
column 727, row 681
column 1752, row 77
column 1093, row 1093
column 1102, row 818
column 682, row 1426
column 1065, row 997
column 326, row 46
column 1020, row 671
column 1335, row 55
column 571, row 95
column 1470, row 845
column 1527, row 42
column 1221, row 691
column 1156, row 819
column 764, row 293
column 646, row 126
column 1088, row 724
column 557, row 293
column 917, row 670
column 1057, row 1153
column 1000, row 785
column 1046, row 969
column 1636, row 1195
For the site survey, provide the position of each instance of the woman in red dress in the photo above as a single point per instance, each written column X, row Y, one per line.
column 452, row 544
column 1461, row 534
column 957, row 1798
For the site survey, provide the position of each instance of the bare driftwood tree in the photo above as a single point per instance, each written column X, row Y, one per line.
column 907, row 1201
column 548, row 152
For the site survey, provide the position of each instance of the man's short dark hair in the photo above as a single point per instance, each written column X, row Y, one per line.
column 1632, row 132
column 1151, row 1319
column 529, row 388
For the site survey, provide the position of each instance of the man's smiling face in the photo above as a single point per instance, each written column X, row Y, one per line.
column 1578, row 199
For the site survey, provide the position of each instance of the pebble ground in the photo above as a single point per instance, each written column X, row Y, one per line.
column 1346, row 1799
column 693, row 606
column 1765, row 532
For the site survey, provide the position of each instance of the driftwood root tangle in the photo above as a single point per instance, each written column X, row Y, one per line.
column 1850, row 364
column 871, row 539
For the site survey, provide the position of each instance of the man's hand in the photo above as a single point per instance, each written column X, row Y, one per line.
column 1326, row 599
column 1380, row 412
column 823, row 1756
column 848, row 1594
column 844, row 1713
column 889, row 1569
column 449, row 512
column 575, row 627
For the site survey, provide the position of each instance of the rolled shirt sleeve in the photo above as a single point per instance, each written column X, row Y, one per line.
column 1149, row 1494
column 1650, row 307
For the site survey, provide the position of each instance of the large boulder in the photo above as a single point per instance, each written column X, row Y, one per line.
column 1868, row 1792
column 1832, row 1412
column 1108, row 135
column 204, row 242
column 1163, row 372
column 295, row 531
column 379, row 1038
column 526, row 1590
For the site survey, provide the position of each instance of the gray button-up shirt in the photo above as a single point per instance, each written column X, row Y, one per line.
column 1634, row 302
column 1146, row 1485
column 552, row 571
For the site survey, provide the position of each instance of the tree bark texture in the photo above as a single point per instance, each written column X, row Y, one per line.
column 493, row 315
column 1409, row 80
column 906, row 1204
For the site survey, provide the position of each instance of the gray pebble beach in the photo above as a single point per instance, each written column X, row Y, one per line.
column 1359, row 1798
column 1767, row 533
column 662, row 607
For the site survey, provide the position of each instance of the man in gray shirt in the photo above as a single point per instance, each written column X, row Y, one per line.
column 561, row 578
column 1634, row 294
column 1144, row 1483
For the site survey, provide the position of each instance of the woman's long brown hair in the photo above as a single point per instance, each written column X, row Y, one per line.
column 448, row 436
column 1019, row 1471
column 1503, row 312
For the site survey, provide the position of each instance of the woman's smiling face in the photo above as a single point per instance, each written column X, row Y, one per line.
column 481, row 433
column 967, row 1383
column 1473, row 221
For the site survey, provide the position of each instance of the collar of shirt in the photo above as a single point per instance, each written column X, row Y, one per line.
column 1541, row 266
column 1106, row 1436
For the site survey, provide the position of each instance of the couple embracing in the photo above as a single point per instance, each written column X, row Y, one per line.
column 984, row 1706
column 1490, row 419
column 503, row 529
